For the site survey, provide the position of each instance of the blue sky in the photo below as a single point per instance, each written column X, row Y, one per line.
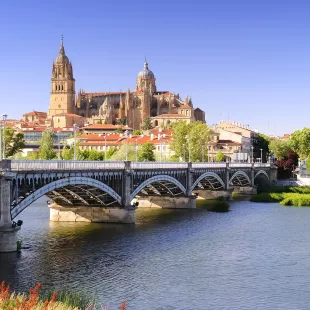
column 247, row 61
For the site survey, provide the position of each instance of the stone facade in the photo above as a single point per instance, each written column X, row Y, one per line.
column 130, row 107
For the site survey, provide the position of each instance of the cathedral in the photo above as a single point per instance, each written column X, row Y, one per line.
column 131, row 108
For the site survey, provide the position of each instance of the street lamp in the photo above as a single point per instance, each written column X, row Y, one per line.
column 252, row 148
column 58, row 135
column 105, row 147
column 261, row 156
column 0, row 142
column 4, row 135
column 137, row 146
column 189, row 148
column 126, row 135
column 75, row 126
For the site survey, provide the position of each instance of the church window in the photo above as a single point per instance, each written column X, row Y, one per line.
column 156, row 123
column 62, row 87
column 59, row 106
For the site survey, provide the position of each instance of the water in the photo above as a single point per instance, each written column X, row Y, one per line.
column 255, row 257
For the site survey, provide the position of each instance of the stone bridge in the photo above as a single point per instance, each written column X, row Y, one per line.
column 98, row 191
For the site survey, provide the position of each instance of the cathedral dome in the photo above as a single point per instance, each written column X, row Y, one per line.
column 62, row 58
column 145, row 72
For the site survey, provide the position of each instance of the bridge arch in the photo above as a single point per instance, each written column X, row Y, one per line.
column 243, row 175
column 157, row 178
column 59, row 184
column 263, row 172
column 208, row 174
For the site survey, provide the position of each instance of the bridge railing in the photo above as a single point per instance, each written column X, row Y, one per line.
column 64, row 165
column 209, row 165
column 158, row 165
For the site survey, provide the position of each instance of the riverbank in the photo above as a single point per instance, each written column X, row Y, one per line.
column 298, row 196
column 45, row 301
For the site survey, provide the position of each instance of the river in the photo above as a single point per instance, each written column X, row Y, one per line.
column 255, row 257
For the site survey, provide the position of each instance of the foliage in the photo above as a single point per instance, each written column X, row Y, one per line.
column 14, row 142
column 285, row 199
column 286, row 166
column 146, row 153
column 220, row 157
column 300, row 141
column 121, row 153
column 262, row 142
column 137, row 132
column 46, row 150
column 290, row 189
column 147, row 124
column 280, row 148
column 193, row 137
column 67, row 153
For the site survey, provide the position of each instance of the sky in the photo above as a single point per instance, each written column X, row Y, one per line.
column 244, row 61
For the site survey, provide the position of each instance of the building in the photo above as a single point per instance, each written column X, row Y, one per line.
column 105, row 128
column 130, row 108
column 34, row 117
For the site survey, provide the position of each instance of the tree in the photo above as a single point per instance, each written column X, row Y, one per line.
column 300, row 142
column 147, row 124
column 121, row 153
column 220, row 157
column 146, row 152
column 193, row 137
column 262, row 143
column 280, row 148
column 137, row 132
column 46, row 150
column 14, row 142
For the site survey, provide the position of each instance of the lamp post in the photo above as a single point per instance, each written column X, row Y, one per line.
column 126, row 135
column 105, row 147
column 74, row 130
column 261, row 156
column 252, row 148
column 189, row 148
column 4, row 135
column 0, row 142
column 58, row 137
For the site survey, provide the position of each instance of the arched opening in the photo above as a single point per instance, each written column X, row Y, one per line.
column 74, row 191
column 209, row 181
column 156, row 123
column 240, row 178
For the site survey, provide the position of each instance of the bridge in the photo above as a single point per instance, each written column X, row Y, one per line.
column 107, row 191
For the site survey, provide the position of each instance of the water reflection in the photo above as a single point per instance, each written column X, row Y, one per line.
column 254, row 257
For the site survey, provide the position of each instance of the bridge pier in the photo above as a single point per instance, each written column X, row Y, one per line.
column 165, row 202
column 209, row 194
column 8, row 233
column 92, row 214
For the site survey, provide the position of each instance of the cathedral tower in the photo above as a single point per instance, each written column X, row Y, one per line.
column 63, row 85
column 146, row 80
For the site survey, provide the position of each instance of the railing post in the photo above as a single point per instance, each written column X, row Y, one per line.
column 189, row 179
column 227, row 176
column 126, row 185
column 252, row 174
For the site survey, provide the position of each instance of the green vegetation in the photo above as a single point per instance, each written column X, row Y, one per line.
column 14, row 142
column 147, row 124
column 286, row 196
column 137, row 132
column 146, row 153
column 37, row 300
column 300, row 141
column 280, row 148
column 220, row 157
column 213, row 205
column 193, row 137
column 46, row 150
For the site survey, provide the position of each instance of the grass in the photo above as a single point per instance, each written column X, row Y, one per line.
column 298, row 198
column 213, row 205
column 55, row 301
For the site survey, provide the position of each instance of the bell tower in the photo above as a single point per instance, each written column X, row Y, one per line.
column 62, row 95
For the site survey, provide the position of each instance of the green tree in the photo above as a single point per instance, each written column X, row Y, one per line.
column 14, row 142
column 146, row 153
column 110, row 152
column 68, row 153
column 46, row 150
column 137, row 132
column 280, row 148
column 147, row 124
column 300, row 142
column 121, row 153
column 192, row 136
column 262, row 143
column 220, row 157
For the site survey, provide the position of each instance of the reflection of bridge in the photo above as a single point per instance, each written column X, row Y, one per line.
column 104, row 191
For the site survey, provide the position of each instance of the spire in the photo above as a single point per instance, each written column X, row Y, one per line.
column 146, row 65
column 62, row 49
